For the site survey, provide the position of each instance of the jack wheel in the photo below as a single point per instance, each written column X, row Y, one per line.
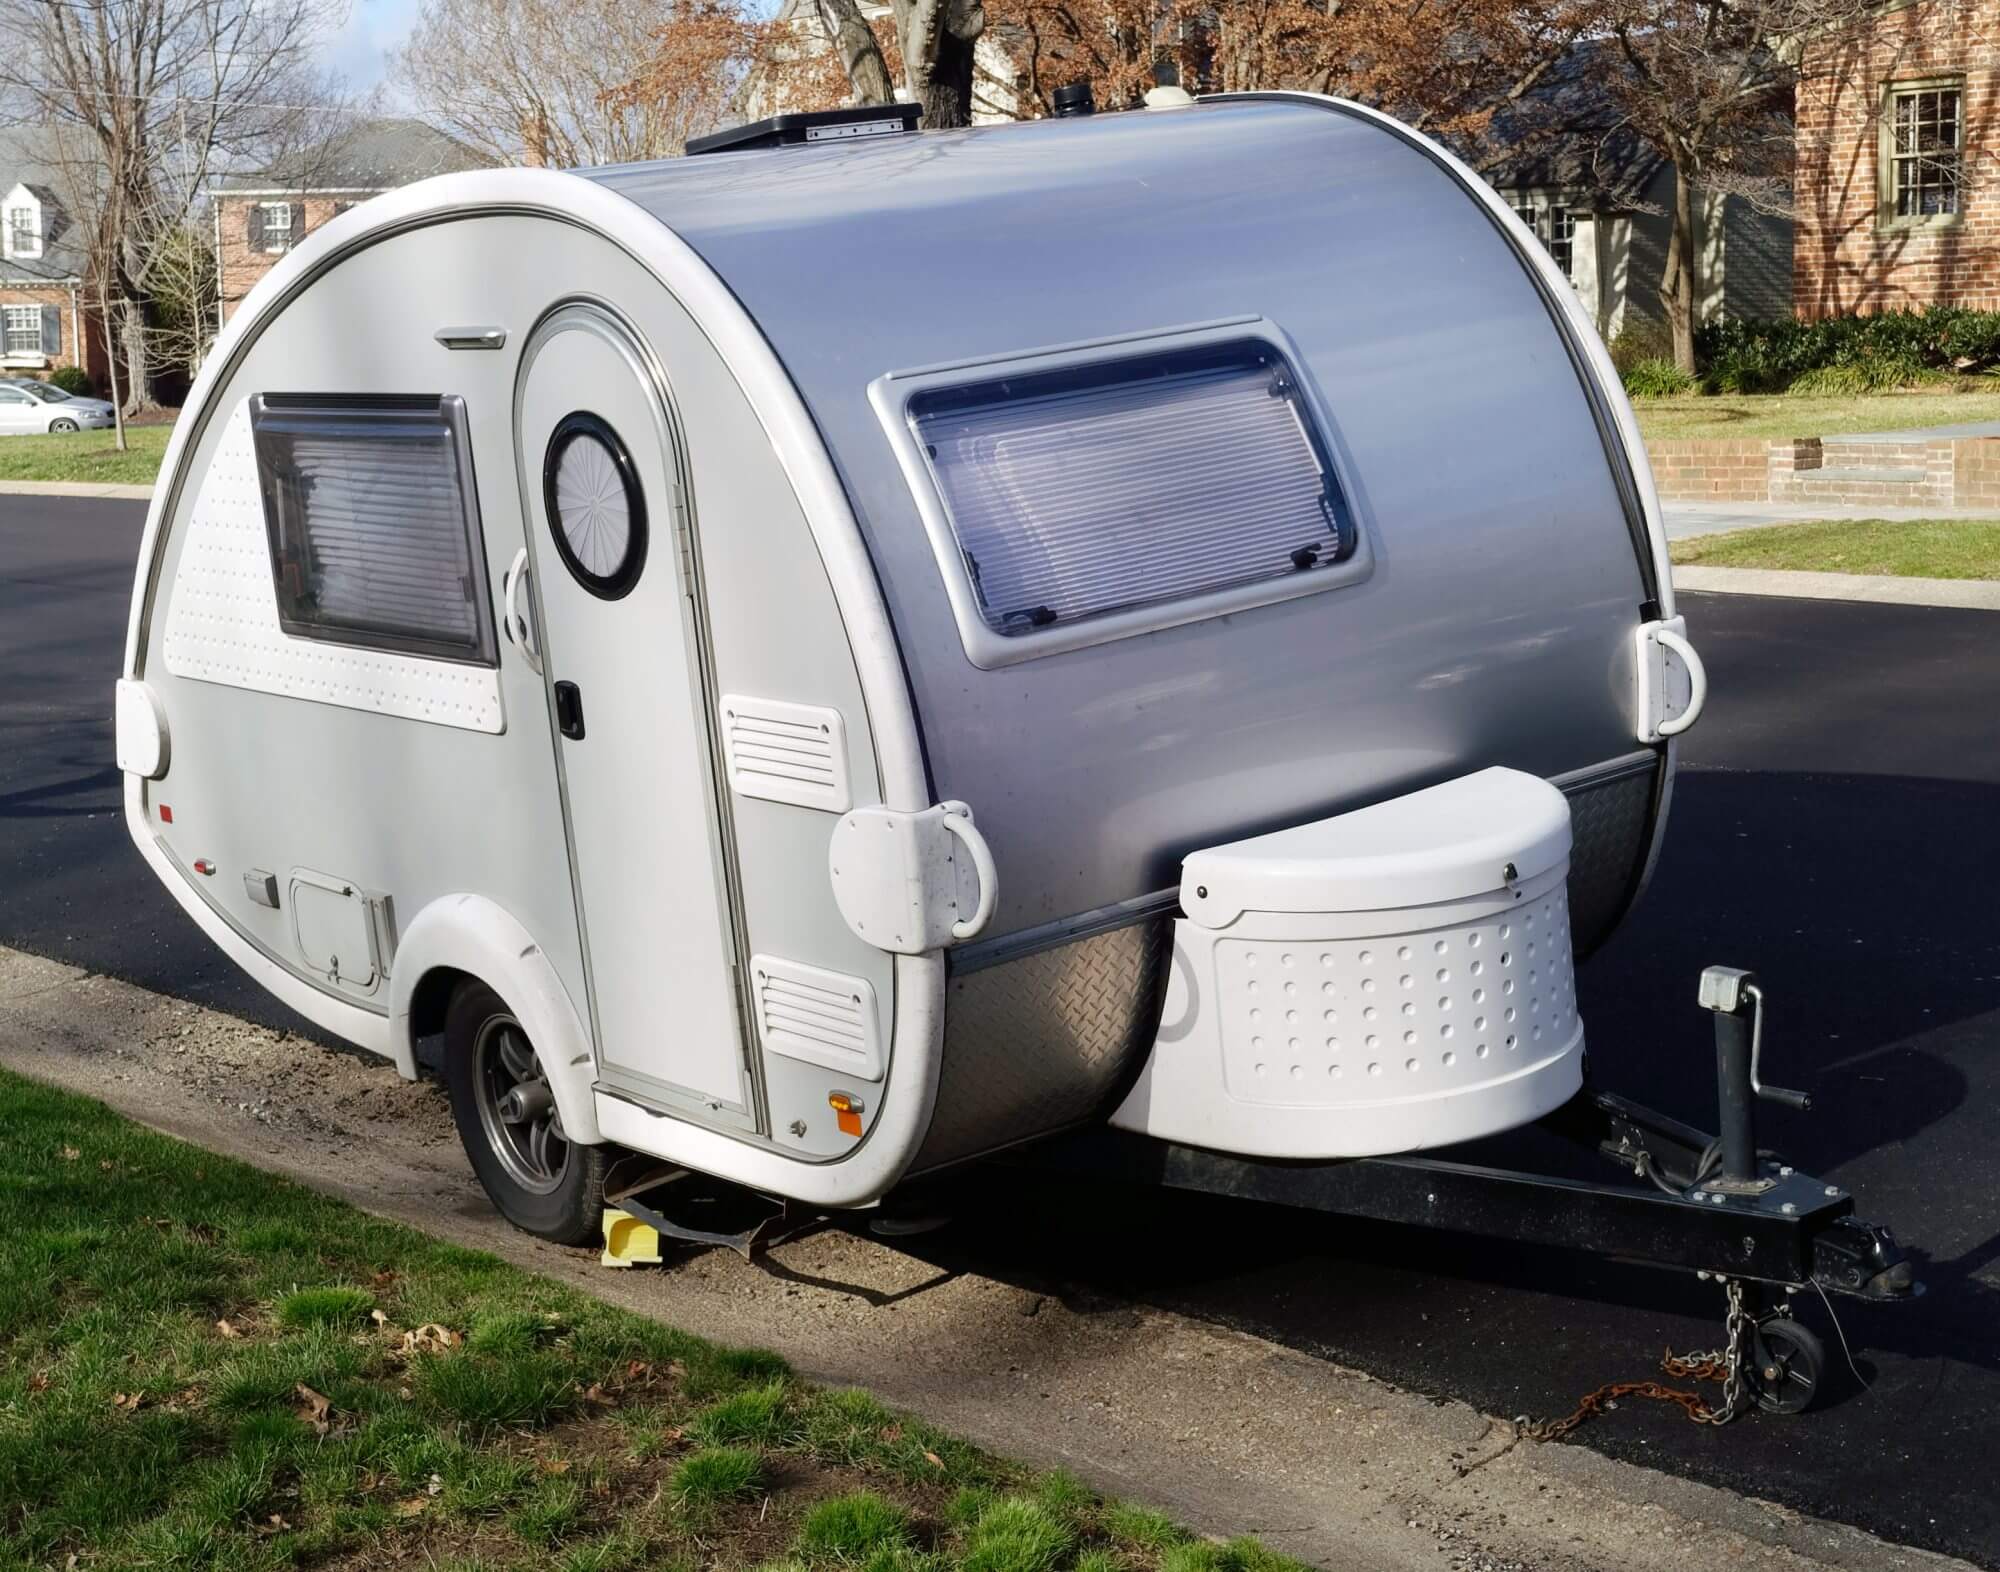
column 1785, row 1365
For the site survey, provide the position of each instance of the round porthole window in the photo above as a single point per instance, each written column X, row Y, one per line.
column 596, row 510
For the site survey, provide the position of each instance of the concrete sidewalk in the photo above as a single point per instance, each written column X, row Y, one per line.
column 1228, row 1432
column 1880, row 588
column 73, row 488
column 1686, row 519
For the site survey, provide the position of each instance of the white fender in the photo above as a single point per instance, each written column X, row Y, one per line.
column 469, row 933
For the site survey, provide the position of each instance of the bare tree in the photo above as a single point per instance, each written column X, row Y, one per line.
column 556, row 82
column 935, row 42
column 150, row 99
column 1708, row 84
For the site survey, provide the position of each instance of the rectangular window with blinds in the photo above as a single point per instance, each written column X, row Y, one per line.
column 374, row 523
column 1084, row 490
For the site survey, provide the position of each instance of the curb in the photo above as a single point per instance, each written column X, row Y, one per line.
column 1879, row 589
column 73, row 488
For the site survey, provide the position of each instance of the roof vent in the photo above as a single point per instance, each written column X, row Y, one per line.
column 1073, row 98
column 818, row 125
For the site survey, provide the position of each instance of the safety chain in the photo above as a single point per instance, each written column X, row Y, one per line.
column 1715, row 1364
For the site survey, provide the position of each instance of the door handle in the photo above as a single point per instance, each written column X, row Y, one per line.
column 569, row 711
column 514, row 619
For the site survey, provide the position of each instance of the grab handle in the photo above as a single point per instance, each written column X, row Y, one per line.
column 958, row 821
column 1697, row 683
column 515, row 619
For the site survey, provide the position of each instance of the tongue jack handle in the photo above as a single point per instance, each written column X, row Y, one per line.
column 1738, row 1003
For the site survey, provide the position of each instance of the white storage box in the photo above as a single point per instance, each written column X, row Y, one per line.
column 1386, row 980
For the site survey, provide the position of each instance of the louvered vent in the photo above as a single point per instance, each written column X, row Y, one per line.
column 825, row 1018
column 794, row 753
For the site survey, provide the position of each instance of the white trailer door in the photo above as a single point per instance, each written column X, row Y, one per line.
column 620, row 642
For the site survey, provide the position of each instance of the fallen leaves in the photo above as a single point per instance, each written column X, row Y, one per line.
column 411, row 1506
column 228, row 1329
column 316, row 1409
column 70, row 1154
column 127, row 1402
column 430, row 1338
column 934, row 1460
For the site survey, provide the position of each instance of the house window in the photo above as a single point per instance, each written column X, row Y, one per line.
column 277, row 226
column 1923, row 149
column 24, row 330
column 1560, row 236
column 1555, row 226
column 24, row 232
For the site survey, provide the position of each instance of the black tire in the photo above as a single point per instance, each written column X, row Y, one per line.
column 1787, row 1363
column 550, row 1187
column 62, row 425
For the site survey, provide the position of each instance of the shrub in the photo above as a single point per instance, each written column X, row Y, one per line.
column 1643, row 340
column 71, row 379
column 1657, row 379
column 1844, row 355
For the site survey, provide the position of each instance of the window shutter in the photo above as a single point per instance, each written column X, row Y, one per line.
column 52, row 331
column 298, row 225
column 253, row 226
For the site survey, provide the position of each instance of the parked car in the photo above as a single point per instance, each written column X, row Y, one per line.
column 28, row 405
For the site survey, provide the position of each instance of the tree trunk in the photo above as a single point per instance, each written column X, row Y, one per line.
column 1677, row 287
column 947, row 97
column 854, row 42
column 132, row 342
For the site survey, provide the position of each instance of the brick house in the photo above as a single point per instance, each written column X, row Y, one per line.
column 261, row 215
column 45, row 318
column 1896, row 204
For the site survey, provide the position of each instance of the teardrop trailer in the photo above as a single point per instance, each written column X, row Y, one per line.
column 1140, row 641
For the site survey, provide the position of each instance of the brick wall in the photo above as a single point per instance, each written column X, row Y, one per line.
column 1845, row 259
column 1711, row 471
column 89, row 356
column 242, row 266
column 1976, row 473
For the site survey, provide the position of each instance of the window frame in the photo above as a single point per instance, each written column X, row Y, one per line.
column 284, row 237
column 24, row 241
column 1888, row 161
column 894, row 393
column 450, row 409
column 7, row 328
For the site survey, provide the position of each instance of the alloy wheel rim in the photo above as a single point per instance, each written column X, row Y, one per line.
column 517, row 1108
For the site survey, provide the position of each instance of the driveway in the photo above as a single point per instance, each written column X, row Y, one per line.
column 1837, row 827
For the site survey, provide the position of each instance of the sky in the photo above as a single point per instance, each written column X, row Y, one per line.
column 360, row 50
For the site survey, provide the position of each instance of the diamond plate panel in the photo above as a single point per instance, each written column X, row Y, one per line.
column 1042, row 1043
column 1611, row 825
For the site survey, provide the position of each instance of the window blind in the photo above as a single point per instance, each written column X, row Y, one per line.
column 1152, row 478
column 373, row 534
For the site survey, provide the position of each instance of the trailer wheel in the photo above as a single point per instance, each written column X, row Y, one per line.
column 538, row 1178
column 1786, row 1363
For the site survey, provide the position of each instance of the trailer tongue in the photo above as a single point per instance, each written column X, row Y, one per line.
column 1716, row 1205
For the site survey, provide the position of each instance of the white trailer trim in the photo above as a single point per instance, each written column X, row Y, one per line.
column 880, row 1158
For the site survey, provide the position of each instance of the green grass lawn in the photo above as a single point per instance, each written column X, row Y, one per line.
column 1921, row 548
column 202, row 1366
column 87, row 455
column 1766, row 416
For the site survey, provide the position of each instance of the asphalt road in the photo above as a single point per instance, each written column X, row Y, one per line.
column 1836, row 826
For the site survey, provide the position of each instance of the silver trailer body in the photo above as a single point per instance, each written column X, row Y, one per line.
column 678, row 873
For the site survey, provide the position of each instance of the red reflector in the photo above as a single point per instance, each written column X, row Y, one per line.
column 203, row 865
column 166, row 814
